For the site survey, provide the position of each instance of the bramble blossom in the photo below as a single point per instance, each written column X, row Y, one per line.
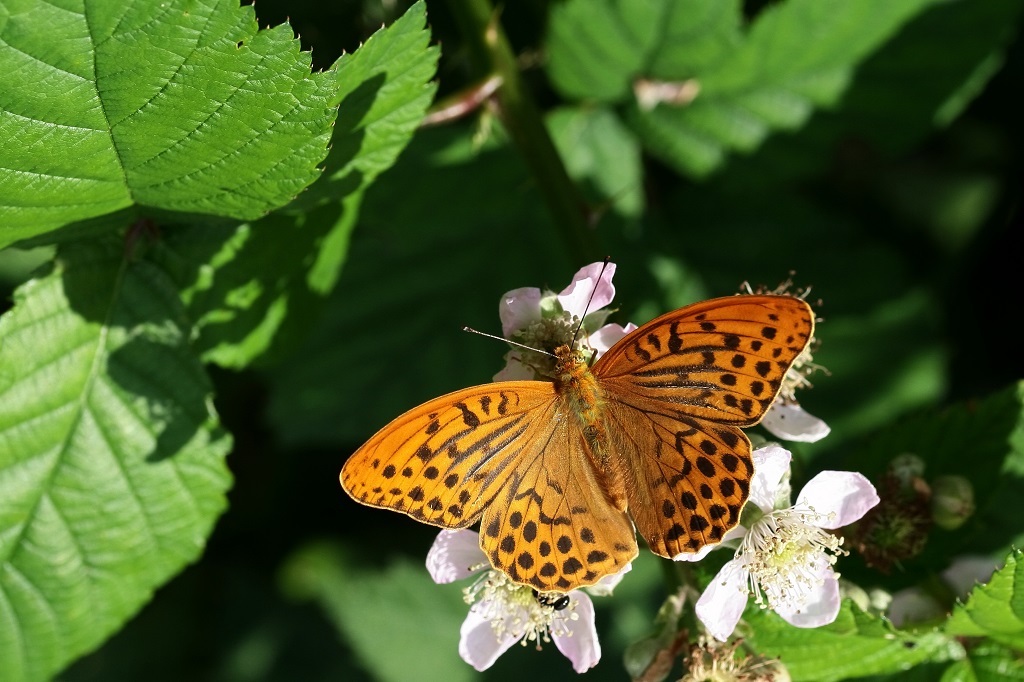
column 502, row 612
column 546, row 320
column 786, row 553
column 785, row 419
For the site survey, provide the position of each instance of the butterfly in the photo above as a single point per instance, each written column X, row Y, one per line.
column 562, row 474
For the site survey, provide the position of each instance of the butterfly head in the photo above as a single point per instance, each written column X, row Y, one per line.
column 570, row 364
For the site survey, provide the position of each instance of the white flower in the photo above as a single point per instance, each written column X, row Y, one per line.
column 786, row 555
column 502, row 612
column 785, row 418
column 546, row 320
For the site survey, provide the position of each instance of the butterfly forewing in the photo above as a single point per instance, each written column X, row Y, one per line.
column 721, row 360
column 676, row 389
column 443, row 462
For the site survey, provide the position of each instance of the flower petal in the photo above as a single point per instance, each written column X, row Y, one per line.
column 732, row 534
column 724, row 599
column 821, row 606
column 579, row 642
column 788, row 421
column 454, row 555
column 518, row 308
column 514, row 369
column 574, row 298
column 479, row 645
column 604, row 586
column 771, row 464
column 607, row 336
column 840, row 496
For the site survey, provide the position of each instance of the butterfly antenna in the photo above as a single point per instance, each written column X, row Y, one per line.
column 586, row 309
column 514, row 343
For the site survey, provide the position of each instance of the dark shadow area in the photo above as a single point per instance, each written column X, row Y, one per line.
column 346, row 143
column 136, row 307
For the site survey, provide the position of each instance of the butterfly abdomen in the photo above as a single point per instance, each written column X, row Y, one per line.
column 584, row 400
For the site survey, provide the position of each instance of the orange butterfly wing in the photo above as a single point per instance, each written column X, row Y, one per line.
column 511, row 455
column 444, row 461
column 676, row 389
column 549, row 471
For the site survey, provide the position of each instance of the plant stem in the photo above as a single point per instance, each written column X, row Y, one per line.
column 478, row 23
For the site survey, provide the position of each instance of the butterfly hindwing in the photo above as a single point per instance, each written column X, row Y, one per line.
column 553, row 526
column 686, row 479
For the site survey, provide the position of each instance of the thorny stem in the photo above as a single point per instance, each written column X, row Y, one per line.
column 479, row 24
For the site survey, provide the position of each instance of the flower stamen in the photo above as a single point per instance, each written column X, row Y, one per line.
column 786, row 553
column 796, row 376
column 516, row 611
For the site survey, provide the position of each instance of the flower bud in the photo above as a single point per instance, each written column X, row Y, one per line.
column 952, row 501
column 896, row 529
column 906, row 467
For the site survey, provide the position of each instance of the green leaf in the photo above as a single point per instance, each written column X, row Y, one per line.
column 602, row 156
column 893, row 103
column 111, row 457
column 383, row 90
column 855, row 645
column 995, row 609
column 179, row 106
column 796, row 56
column 943, row 436
column 987, row 662
column 246, row 287
column 596, row 48
column 390, row 335
column 240, row 283
column 390, row 617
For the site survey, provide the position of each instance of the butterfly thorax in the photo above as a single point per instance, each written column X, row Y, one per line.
column 578, row 386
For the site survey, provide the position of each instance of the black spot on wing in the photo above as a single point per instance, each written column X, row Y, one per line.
column 469, row 417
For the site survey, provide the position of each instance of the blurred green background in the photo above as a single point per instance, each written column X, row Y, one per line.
column 899, row 204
